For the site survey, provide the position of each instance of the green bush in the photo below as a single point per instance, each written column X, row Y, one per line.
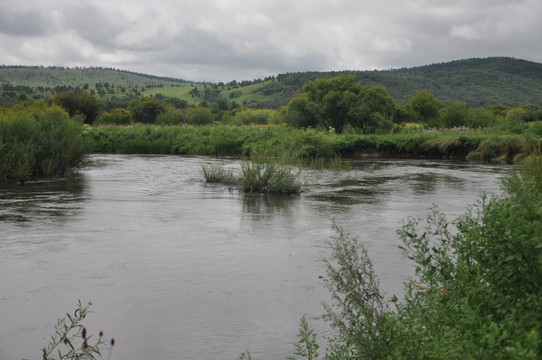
column 146, row 109
column 476, row 292
column 481, row 118
column 40, row 140
column 252, row 116
column 171, row 117
column 118, row 116
column 200, row 116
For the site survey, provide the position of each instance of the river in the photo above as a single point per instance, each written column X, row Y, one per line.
column 180, row 269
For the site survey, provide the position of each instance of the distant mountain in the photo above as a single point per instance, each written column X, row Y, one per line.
column 477, row 82
column 35, row 76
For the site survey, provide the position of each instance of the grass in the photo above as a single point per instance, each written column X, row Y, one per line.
column 256, row 177
column 310, row 145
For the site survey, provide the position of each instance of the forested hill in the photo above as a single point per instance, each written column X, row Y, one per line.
column 478, row 82
column 39, row 76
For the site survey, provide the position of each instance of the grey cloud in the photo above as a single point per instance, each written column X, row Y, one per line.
column 23, row 23
column 240, row 39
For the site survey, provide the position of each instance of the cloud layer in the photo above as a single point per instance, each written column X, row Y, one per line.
column 222, row 40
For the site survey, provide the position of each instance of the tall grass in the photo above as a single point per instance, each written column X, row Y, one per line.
column 306, row 145
column 256, row 177
column 40, row 141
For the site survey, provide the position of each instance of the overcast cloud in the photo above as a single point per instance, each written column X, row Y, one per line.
column 223, row 40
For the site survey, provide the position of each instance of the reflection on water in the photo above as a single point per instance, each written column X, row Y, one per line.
column 255, row 204
column 177, row 268
column 41, row 200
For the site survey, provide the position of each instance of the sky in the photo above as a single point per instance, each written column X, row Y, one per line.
column 224, row 40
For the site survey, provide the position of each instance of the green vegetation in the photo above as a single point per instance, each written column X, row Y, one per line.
column 309, row 145
column 39, row 141
column 475, row 82
column 340, row 101
column 71, row 341
column 256, row 177
column 476, row 293
column 333, row 117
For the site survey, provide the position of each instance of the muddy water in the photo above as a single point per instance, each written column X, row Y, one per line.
column 180, row 269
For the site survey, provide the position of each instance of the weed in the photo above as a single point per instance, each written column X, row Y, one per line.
column 71, row 341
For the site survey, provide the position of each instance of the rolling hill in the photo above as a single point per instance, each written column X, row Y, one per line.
column 477, row 82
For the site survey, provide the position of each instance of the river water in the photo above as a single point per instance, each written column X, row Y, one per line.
column 180, row 269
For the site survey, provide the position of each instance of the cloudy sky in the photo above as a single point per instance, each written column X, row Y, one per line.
column 223, row 40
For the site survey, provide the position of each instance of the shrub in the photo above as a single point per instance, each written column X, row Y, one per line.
column 476, row 292
column 252, row 116
column 118, row 116
column 171, row 117
column 146, row 109
column 200, row 116
column 40, row 140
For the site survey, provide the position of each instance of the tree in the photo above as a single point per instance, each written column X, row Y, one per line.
column 425, row 105
column 80, row 103
column 340, row 101
column 146, row 109
column 333, row 99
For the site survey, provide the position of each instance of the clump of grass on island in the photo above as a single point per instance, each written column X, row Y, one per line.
column 256, row 177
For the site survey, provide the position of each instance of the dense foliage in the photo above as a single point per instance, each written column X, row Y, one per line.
column 334, row 103
column 39, row 140
column 476, row 293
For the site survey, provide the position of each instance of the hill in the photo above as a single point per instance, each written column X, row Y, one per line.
column 36, row 76
column 477, row 82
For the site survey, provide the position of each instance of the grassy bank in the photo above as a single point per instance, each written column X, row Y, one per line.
column 280, row 140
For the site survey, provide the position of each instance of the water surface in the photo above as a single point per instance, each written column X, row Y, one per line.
column 180, row 269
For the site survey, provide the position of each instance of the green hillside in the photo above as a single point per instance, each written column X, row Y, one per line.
column 35, row 76
column 477, row 82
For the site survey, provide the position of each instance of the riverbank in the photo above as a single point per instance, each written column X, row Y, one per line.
column 280, row 140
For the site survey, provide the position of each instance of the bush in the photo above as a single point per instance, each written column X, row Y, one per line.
column 146, row 109
column 455, row 115
column 252, row 116
column 118, row 116
column 481, row 118
column 171, row 117
column 40, row 140
column 200, row 116
column 476, row 293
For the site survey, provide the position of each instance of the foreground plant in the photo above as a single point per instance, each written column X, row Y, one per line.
column 476, row 293
column 306, row 346
column 71, row 340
